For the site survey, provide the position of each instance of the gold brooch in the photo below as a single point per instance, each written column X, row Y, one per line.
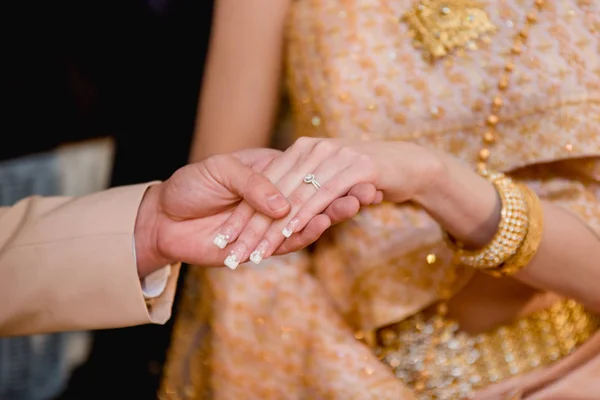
column 440, row 26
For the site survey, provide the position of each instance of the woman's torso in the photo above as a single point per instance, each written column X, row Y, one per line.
column 354, row 72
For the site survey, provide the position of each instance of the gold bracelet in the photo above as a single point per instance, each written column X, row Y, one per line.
column 512, row 228
column 532, row 240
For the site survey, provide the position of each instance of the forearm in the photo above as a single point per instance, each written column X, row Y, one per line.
column 241, row 83
column 224, row 140
column 468, row 207
column 220, row 132
column 68, row 264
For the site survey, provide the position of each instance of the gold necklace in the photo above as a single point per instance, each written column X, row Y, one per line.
column 490, row 135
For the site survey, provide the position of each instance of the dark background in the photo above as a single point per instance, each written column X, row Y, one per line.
column 129, row 69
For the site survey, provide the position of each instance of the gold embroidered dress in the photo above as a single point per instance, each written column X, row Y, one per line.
column 289, row 328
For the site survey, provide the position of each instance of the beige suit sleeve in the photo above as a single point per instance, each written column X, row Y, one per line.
column 68, row 264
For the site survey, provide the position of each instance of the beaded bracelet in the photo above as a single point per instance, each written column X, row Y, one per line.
column 512, row 228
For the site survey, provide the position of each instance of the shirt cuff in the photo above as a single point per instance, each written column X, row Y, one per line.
column 154, row 284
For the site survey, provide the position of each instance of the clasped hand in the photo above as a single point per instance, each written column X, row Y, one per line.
column 324, row 178
column 257, row 203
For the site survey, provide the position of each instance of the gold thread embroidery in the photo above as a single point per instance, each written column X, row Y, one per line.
column 440, row 26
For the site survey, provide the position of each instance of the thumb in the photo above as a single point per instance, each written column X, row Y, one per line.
column 258, row 191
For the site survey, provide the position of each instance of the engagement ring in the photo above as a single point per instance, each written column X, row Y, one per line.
column 310, row 178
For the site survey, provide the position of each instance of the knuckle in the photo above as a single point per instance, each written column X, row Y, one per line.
column 248, row 188
column 326, row 147
column 345, row 209
column 302, row 147
column 256, row 181
column 348, row 153
column 235, row 223
column 286, row 247
column 212, row 163
column 329, row 191
column 218, row 160
column 304, row 142
column 251, row 233
column 296, row 199
column 369, row 197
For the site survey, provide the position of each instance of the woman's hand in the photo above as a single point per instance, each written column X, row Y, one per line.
column 198, row 198
column 396, row 171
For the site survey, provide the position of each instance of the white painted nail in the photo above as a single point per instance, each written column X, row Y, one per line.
column 237, row 253
column 232, row 262
column 287, row 232
column 256, row 257
column 221, row 240
column 258, row 254
column 289, row 228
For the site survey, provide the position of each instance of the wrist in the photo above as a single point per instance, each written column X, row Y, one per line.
column 148, row 257
column 464, row 203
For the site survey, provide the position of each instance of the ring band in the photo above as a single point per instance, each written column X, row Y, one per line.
column 310, row 178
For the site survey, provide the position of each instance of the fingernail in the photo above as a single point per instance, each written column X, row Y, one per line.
column 221, row 241
column 290, row 227
column 235, row 256
column 232, row 262
column 222, row 238
column 258, row 254
column 277, row 202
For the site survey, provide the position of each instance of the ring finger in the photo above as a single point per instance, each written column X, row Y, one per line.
column 247, row 243
column 319, row 182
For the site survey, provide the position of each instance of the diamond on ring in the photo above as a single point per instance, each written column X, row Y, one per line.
column 310, row 178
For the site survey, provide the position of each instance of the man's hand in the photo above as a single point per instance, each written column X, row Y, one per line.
column 179, row 218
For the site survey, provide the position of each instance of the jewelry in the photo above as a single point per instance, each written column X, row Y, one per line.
column 440, row 26
column 435, row 358
column 511, row 232
column 531, row 241
column 310, row 178
column 490, row 135
column 438, row 361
